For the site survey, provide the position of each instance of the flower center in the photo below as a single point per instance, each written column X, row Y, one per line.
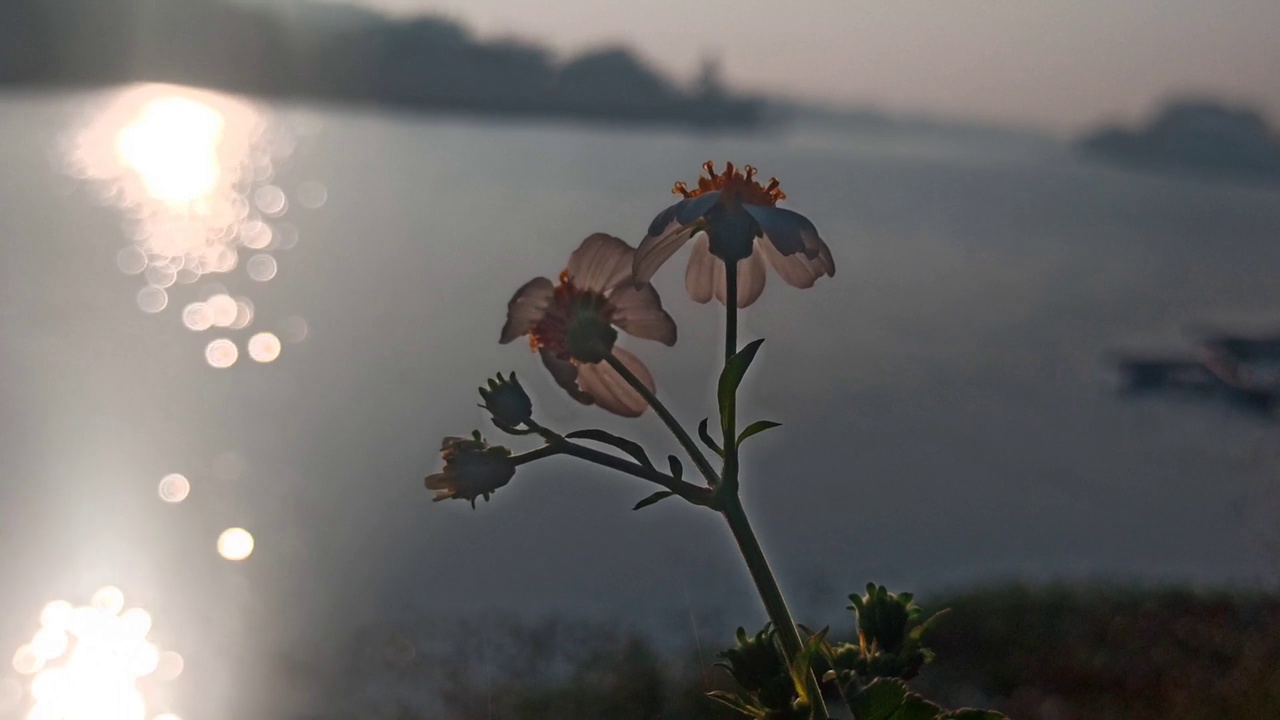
column 576, row 320
column 734, row 185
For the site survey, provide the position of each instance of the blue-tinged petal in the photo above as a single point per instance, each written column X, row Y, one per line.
column 781, row 227
column 695, row 207
column 655, row 250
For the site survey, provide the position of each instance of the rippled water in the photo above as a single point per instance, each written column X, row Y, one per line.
column 325, row 320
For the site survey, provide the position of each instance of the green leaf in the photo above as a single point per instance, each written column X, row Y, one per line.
column 660, row 495
column 804, row 661
column 756, row 428
column 879, row 700
column 735, row 368
column 736, row 703
column 677, row 470
column 917, row 708
column 707, row 439
column 629, row 447
column 919, row 630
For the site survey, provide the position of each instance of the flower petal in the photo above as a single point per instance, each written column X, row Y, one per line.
column 637, row 310
column 600, row 262
column 797, row 270
column 751, row 278
column 610, row 391
column 437, row 481
column 526, row 308
column 565, row 373
column 782, row 229
column 695, row 207
column 700, row 276
column 655, row 250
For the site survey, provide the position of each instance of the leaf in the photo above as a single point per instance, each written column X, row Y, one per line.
column 736, row 703
column 918, row 631
column 677, row 470
column 804, row 661
column 756, row 428
column 917, row 708
column 629, row 447
column 660, row 495
column 707, row 439
column 879, row 700
column 735, row 368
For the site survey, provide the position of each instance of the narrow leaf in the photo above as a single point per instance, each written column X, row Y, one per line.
column 731, row 377
column 629, row 447
column 707, row 439
column 756, row 428
column 660, row 495
column 677, row 470
column 736, row 703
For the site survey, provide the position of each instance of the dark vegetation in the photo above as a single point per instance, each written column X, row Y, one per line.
column 333, row 52
column 1195, row 137
column 1055, row 653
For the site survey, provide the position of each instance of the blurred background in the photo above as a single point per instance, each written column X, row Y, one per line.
column 257, row 254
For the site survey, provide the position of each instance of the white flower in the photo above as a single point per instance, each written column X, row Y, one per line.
column 572, row 325
column 730, row 216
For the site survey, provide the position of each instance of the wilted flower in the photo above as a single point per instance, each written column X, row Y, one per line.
column 507, row 402
column 731, row 215
column 572, row 324
column 472, row 468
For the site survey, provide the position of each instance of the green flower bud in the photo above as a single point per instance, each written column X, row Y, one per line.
column 507, row 402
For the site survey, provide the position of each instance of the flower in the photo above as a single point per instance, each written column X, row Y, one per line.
column 731, row 215
column 472, row 468
column 574, row 325
column 507, row 402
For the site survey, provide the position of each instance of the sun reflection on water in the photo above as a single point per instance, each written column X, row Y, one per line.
column 86, row 661
column 195, row 176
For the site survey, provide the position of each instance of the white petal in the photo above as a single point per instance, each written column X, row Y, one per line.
column 797, row 270
column 700, row 276
column 655, row 250
column 638, row 311
column 751, row 278
column 600, row 262
column 565, row 373
column 526, row 308
column 610, row 391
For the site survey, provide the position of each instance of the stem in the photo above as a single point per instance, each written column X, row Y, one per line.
column 774, row 604
column 699, row 460
column 730, row 418
column 692, row 493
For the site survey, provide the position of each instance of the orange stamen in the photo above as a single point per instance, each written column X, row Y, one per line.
column 733, row 185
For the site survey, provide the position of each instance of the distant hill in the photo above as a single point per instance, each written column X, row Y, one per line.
column 1194, row 137
column 325, row 51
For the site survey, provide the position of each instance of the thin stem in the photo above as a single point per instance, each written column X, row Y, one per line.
column 767, row 585
column 730, row 418
column 691, row 448
column 560, row 446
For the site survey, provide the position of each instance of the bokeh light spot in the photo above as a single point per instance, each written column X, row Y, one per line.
column 221, row 353
column 197, row 316
column 294, row 329
column 235, row 544
column 264, row 347
column 109, row 599
column 131, row 260
column 169, row 666
column 262, row 267
column 270, row 200
column 152, row 299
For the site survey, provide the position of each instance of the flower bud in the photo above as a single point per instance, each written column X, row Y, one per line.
column 507, row 402
column 472, row 468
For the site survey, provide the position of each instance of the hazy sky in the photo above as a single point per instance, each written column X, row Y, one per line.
column 1059, row 64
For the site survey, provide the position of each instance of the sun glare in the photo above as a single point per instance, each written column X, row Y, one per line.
column 85, row 662
column 195, row 176
column 235, row 544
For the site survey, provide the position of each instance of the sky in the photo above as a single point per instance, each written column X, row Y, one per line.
column 1060, row 65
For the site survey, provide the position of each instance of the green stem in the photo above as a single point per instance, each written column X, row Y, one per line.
column 699, row 460
column 692, row 493
column 774, row 604
column 730, row 419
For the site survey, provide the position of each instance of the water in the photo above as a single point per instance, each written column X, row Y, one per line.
column 945, row 418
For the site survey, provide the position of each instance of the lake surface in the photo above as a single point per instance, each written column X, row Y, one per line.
column 946, row 418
